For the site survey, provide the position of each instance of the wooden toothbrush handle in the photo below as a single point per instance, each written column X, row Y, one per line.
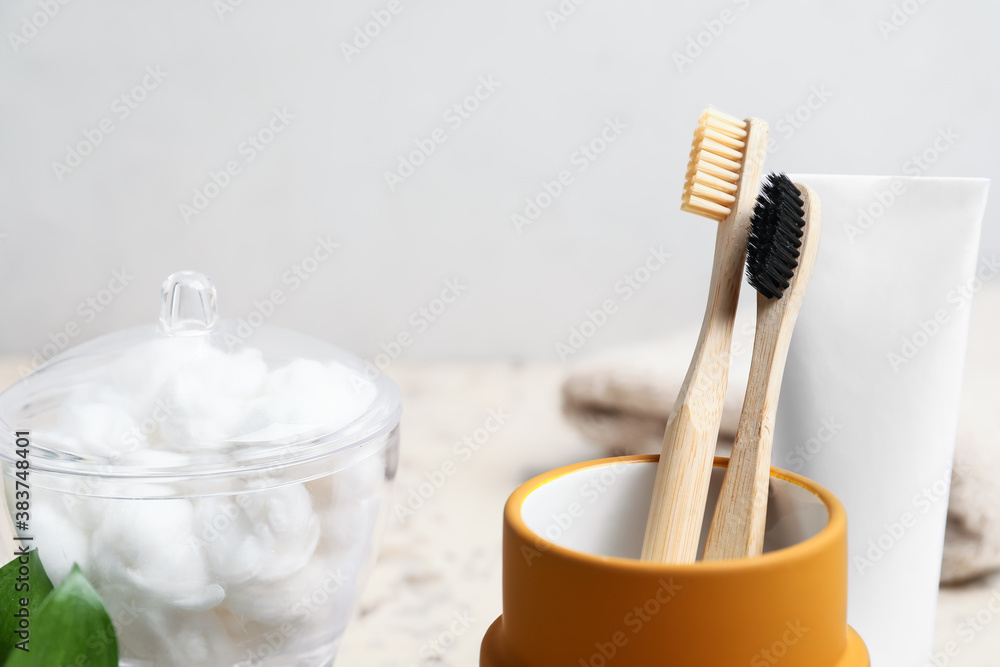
column 677, row 509
column 737, row 529
column 673, row 527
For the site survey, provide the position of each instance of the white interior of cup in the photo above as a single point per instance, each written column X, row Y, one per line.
column 602, row 510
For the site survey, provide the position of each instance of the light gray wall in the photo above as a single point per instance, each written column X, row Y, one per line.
column 887, row 95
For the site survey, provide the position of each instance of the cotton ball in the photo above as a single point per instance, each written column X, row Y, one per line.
column 258, row 536
column 347, row 521
column 86, row 512
column 364, row 479
column 301, row 376
column 141, row 371
column 283, row 518
column 209, row 399
column 242, row 374
column 316, row 591
column 308, row 392
column 59, row 540
column 239, row 374
column 149, row 545
column 347, row 525
column 168, row 638
column 137, row 623
column 94, row 428
column 200, row 419
column 199, row 640
column 321, row 492
column 234, row 550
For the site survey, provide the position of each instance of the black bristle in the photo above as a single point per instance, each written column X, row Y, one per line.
column 775, row 233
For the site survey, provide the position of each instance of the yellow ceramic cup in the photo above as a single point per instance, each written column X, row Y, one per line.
column 574, row 594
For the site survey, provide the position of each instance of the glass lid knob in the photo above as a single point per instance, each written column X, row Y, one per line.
column 188, row 304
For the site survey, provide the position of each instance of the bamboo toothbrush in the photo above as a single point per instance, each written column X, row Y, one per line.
column 784, row 238
column 723, row 176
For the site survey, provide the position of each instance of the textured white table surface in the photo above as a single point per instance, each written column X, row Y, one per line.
column 436, row 587
column 443, row 563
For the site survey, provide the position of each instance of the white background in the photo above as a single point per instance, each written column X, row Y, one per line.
column 889, row 96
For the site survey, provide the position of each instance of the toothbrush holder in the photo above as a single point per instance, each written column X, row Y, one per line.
column 576, row 595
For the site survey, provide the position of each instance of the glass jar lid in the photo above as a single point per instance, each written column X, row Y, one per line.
column 196, row 395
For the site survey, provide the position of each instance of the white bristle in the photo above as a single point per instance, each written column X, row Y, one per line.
column 714, row 165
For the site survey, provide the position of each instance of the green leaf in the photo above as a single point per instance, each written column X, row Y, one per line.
column 15, row 585
column 70, row 628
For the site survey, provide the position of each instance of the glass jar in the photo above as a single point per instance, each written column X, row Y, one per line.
column 222, row 487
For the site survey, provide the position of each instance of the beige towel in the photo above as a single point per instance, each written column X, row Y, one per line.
column 621, row 401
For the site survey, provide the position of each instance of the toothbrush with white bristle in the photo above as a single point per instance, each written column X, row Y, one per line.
column 723, row 177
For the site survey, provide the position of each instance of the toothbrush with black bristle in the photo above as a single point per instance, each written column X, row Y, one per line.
column 781, row 251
